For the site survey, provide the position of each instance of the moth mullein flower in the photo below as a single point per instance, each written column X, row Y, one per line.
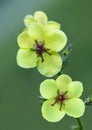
column 39, row 48
column 61, row 97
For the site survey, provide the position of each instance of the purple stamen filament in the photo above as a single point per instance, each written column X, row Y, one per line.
column 60, row 99
column 40, row 49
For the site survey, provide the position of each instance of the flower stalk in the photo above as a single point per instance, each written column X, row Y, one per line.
column 79, row 124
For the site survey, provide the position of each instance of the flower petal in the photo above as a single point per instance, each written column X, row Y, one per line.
column 24, row 40
column 26, row 58
column 36, row 31
column 52, row 113
column 28, row 19
column 74, row 107
column 48, row 89
column 51, row 64
column 55, row 39
column 41, row 17
column 63, row 82
column 75, row 89
column 52, row 24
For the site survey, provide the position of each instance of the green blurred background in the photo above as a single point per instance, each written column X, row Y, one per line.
column 19, row 88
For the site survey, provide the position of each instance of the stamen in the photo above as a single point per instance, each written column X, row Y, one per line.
column 60, row 99
column 40, row 49
column 60, row 106
column 54, row 103
column 47, row 52
column 36, row 41
column 42, row 58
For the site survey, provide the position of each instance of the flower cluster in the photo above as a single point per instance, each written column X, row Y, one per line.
column 40, row 43
column 39, row 46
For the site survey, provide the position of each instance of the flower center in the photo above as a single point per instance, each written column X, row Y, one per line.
column 60, row 99
column 40, row 49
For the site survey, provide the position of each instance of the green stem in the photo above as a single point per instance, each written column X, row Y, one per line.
column 79, row 123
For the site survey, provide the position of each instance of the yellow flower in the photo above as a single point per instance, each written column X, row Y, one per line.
column 62, row 97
